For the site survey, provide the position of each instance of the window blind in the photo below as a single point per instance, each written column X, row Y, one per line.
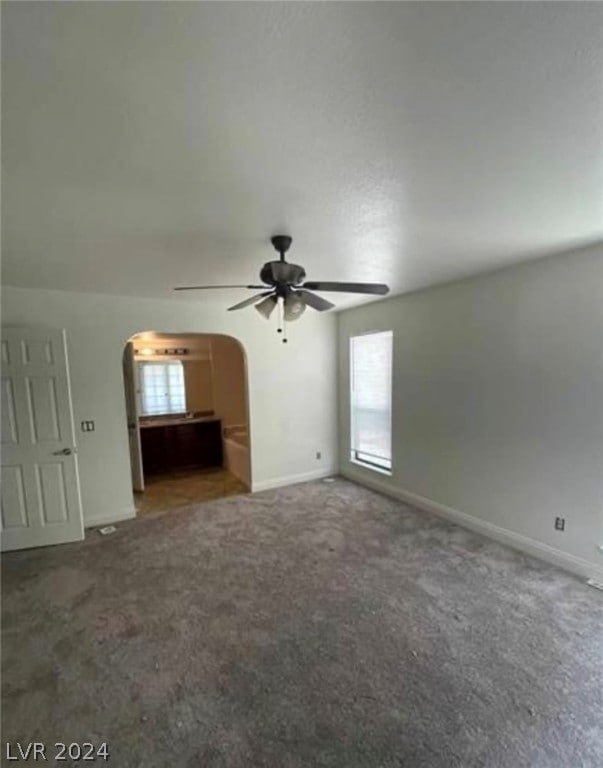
column 162, row 388
column 371, row 399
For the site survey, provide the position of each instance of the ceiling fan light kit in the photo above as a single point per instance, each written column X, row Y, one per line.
column 283, row 280
column 266, row 306
column 294, row 306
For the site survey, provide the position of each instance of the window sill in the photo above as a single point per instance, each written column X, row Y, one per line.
column 372, row 467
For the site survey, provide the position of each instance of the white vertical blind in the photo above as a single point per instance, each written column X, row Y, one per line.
column 162, row 388
column 371, row 398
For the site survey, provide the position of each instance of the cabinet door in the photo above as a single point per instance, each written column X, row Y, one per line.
column 198, row 445
column 155, row 449
column 181, row 446
column 185, row 451
column 209, row 443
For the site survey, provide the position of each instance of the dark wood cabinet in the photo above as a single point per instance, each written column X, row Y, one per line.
column 171, row 447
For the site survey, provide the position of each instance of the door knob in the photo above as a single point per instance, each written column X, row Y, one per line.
column 63, row 452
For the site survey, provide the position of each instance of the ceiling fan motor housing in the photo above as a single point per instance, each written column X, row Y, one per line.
column 281, row 273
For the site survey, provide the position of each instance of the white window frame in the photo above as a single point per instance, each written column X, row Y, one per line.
column 366, row 459
column 174, row 389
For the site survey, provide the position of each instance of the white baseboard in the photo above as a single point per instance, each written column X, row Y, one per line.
column 117, row 517
column 525, row 544
column 304, row 477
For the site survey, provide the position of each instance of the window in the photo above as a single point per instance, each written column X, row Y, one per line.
column 161, row 388
column 371, row 399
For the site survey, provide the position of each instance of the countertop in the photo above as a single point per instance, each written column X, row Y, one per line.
column 169, row 422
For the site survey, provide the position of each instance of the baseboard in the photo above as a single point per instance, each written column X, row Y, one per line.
column 524, row 544
column 304, row 477
column 117, row 517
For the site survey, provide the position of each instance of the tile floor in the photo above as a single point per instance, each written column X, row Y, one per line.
column 165, row 493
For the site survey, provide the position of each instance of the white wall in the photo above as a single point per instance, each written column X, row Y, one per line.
column 498, row 401
column 292, row 387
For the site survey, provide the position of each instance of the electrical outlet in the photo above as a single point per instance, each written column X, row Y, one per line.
column 559, row 523
column 318, row 455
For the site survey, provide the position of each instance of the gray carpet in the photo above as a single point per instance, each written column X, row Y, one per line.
column 315, row 625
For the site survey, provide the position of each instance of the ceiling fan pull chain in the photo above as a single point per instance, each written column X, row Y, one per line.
column 284, row 331
column 280, row 316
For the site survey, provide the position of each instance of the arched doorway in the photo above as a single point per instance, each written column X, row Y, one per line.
column 188, row 419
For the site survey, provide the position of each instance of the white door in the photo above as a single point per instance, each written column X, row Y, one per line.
column 40, row 484
column 132, row 416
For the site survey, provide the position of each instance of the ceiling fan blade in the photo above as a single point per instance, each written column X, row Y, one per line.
column 379, row 289
column 210, row 287
column 250, row 300
column 314, row 301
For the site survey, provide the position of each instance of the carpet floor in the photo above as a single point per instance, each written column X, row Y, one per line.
column 314, row 625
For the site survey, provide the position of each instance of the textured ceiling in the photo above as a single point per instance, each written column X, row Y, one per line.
column 147, row 145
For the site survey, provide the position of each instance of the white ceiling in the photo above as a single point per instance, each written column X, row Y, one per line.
column 147, row 145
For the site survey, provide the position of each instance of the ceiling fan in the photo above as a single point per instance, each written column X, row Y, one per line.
column 282, row 280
